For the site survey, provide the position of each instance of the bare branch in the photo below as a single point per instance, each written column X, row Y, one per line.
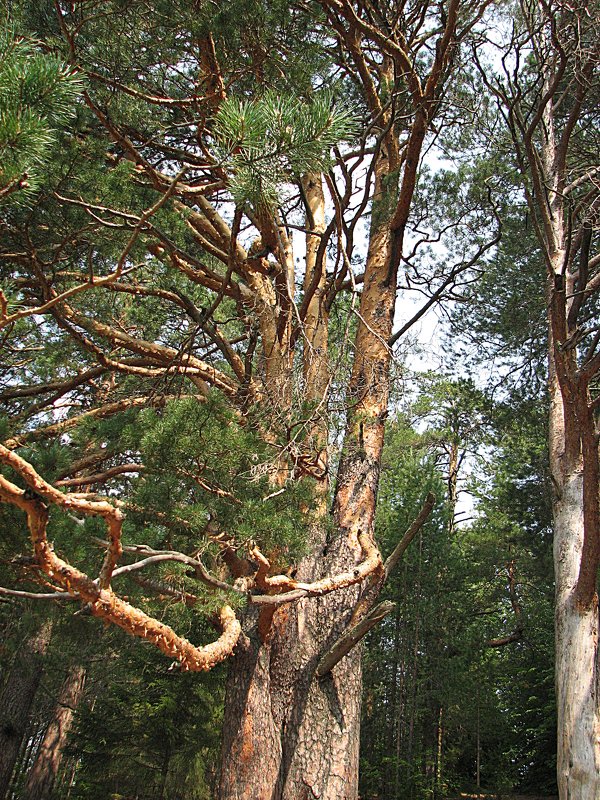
column 36, row 595
column 352, row 636
column 101, row 477
column 410, row 534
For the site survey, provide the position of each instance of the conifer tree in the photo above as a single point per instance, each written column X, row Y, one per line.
column 550, row 107
column 194, row 367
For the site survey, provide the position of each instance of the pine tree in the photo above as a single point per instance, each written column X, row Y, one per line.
column 194, row 438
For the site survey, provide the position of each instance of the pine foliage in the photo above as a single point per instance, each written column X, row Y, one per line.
column 265, row 142
column 37, row 94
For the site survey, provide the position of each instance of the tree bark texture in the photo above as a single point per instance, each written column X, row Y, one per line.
column 576, row 628
column 290, row 735
column 17, row 699
column 573, row 449
column 564, row 235
column 42, row 776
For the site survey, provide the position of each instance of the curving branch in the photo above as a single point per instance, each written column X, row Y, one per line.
column 286, row 589
column 157, row 556
column 103, row 602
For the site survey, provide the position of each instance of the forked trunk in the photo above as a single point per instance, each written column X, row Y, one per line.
column 288, row 734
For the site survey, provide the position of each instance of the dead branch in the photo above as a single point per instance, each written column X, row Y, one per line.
column 410, row 534
column 35, row 595
column 352, row 636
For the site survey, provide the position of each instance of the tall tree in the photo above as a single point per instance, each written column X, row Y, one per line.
column 44, row 770
column 18, row 695
column 550, row 103
column 163, row 261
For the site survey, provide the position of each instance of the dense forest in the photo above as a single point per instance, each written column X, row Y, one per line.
column 299, row 437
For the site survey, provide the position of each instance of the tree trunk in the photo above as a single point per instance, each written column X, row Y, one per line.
column 42, row 776
column 289, row 735
column 573, row 448
column 576, row 621
column 573, row 436
column 577, row 685
column 17, row 699
column 576, row 628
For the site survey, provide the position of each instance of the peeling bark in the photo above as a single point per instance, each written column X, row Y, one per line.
column 577, row 658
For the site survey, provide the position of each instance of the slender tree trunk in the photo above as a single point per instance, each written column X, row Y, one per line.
column 453, row 467
column 478, row 747
column 17, row 699
column 573, row 439
column 392, row 735
column 42, row 776
column 576, row 629
column 414, row 699
column 164, row 774
column 439, row 753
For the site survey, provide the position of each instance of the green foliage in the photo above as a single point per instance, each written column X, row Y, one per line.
column 506, row 316
column 37, row 93
column 147, row 730
column 514, row 526
column 202, row 463
column 265, row 142
column 428, row 667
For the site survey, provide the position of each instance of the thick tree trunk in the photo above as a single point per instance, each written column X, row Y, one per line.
column 17, row 699
column 42, row 776
column 288, row 734
column 573, row 448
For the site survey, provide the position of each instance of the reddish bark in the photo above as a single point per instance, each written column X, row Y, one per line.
column 42, row 776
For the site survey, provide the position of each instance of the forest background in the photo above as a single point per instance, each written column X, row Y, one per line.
column 198, row 361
